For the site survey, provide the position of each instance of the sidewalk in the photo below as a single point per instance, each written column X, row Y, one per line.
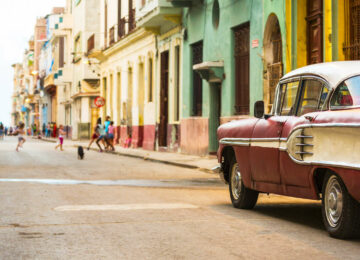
column 202, row 163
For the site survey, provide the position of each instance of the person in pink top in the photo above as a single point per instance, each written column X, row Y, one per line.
column 110, row 136
column 62, row 133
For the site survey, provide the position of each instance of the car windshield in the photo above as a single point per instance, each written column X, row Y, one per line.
column 347, row 94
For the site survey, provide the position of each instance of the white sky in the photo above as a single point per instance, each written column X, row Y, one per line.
column 17, row 23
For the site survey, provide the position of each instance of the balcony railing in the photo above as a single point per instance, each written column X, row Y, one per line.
column 91, row 43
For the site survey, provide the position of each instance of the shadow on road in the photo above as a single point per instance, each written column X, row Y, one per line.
column 304, row 214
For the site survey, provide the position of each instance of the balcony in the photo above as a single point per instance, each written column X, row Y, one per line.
column 158, row 14
column 93, row 50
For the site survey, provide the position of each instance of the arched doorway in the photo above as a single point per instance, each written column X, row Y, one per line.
column 273, row 66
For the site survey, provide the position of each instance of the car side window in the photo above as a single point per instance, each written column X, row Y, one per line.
column 342, row 97
column 313, row 96
column 347, row 94
column 288, row 93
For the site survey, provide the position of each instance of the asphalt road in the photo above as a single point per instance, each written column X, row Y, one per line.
column 54, row 206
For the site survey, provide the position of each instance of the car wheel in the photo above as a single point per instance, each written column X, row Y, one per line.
column 241, row 197
column 340, row 212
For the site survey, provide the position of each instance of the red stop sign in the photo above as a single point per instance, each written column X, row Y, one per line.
column 99, row 101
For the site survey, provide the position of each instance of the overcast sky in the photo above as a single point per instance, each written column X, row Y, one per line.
column 17, row 22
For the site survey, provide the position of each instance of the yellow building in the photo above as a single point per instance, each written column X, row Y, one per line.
column 321, row 31
column 140, row 50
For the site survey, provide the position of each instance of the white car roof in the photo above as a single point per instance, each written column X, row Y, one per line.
column 333, row 72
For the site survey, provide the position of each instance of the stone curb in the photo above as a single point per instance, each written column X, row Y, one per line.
column 184, row 165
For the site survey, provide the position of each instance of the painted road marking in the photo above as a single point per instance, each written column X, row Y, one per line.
column 134, row 183
column 126, row 207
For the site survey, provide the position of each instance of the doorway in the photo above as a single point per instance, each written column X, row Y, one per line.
column 164, row 89
column 242, row 68
column 273, row 66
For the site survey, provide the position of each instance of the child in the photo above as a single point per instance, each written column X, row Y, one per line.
column 96, row 134
column 20, row 132
column 61, row 138
column 110, row 136
column 128, row 141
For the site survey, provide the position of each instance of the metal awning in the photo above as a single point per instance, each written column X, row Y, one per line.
column 211, row 71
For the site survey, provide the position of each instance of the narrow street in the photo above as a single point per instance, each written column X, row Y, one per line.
column 54, row 206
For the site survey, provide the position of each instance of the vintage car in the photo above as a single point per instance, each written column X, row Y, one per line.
column 307, row 147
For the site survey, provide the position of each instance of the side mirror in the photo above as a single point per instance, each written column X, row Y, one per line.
column 259, row 109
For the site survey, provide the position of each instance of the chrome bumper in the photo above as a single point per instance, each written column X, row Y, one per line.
column 218, row 170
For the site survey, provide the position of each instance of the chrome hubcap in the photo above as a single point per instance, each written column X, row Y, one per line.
column 333, row 201
column 235, row 181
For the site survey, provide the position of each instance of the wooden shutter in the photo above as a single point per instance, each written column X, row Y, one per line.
column 315, row 31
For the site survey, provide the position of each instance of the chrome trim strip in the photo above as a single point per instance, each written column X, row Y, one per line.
column 249, row 141
column 304, row 145
column 304, row 153
column 327, row 163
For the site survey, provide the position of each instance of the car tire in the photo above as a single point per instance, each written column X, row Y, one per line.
column 241, row 197
column 340, row 212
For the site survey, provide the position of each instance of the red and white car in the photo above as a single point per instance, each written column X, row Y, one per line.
column 307, row 147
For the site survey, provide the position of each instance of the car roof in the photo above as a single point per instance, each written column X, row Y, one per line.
column 333, row 72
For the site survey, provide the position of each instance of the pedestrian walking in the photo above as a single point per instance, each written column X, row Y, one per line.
column 61, row 138
column 2, row 131
column 20, row 132
column 43, row 129
column 54, row 130
column 110, row 136
column 95, row 134
column 48, row 130
column 102, row 133
column 34, row 129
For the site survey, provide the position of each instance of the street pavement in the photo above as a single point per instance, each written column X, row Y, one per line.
column 54, row 206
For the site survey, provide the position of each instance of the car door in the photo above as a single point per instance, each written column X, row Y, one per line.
column 265, row 141
column 312, row 97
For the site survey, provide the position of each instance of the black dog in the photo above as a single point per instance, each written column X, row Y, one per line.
column 80, row 152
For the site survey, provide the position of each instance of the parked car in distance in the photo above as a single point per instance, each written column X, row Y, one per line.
column 307, row 147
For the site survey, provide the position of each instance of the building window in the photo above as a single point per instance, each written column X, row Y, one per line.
column 177, row 84
column 197, row 57
column 352, row 30
column 150, row 96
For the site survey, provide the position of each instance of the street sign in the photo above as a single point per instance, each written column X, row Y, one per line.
column 99, row 102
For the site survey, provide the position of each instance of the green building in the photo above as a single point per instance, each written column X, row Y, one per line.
column 234, row 52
